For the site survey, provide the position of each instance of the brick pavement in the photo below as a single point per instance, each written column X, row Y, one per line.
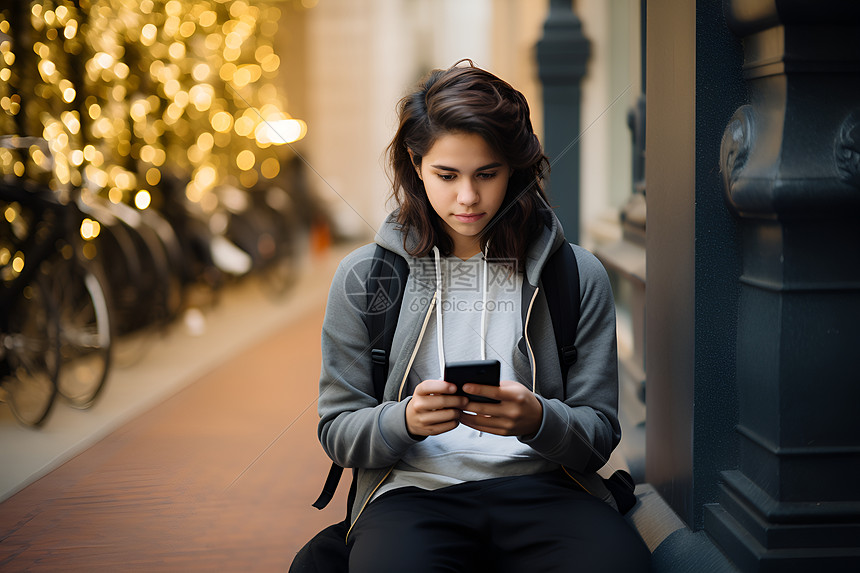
column 162, row 494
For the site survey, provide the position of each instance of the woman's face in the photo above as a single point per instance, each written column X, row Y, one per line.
column 465, row 181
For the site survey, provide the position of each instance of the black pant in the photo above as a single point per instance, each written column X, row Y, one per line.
column 520, row 524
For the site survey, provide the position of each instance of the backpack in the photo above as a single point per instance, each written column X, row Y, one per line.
column 560, row 276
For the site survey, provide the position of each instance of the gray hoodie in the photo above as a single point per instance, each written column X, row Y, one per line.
column 580, row 427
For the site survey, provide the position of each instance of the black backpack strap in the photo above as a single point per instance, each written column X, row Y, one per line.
column 329, row 487
column 384, row 289
column 560, row 279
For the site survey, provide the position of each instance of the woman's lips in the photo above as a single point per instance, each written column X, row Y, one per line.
column 469, row 217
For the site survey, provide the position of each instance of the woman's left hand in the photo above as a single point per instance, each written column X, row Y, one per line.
column 518, row 413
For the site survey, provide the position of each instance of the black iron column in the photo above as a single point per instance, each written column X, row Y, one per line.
column 791, row 166
column 562, row 54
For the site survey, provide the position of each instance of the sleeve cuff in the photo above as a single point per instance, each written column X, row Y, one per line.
column 532, row 438
column 392, row 427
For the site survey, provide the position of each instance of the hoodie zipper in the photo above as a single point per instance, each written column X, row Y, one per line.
column 533, row 362
column 415, row 349
column 399, row 397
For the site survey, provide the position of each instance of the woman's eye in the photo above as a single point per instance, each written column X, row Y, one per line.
column 446, row 176
column 486, row 175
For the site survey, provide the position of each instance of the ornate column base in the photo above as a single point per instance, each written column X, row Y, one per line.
column 765, row 535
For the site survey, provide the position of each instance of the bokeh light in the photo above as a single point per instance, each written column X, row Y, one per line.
column 186, row 87
column 142, row 199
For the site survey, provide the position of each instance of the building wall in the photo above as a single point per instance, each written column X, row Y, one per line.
column 610, row 88
column 344, row 84
column 517, row 27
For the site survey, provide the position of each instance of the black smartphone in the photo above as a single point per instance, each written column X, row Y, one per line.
column 476, row 372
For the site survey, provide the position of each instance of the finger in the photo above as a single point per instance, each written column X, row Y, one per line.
column 428, row 387
column 484, row 408
column 437, row 429
column 439, row 402
column 436, row 422
column 449, row 401
column 485, row 424
column 507, row 391
column 433, row 417
column 510, row 390
column 483, row 390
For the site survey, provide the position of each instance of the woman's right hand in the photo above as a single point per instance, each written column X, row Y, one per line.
column 433, row 409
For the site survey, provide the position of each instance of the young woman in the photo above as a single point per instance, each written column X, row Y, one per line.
column 446, row 483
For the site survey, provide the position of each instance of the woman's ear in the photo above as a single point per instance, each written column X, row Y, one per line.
column 415, row 165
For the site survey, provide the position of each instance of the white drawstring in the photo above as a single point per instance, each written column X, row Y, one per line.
column 439, row 335
column 440, row 346
column 484, row 307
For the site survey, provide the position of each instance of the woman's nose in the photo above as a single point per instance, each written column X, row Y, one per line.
column 468, row 194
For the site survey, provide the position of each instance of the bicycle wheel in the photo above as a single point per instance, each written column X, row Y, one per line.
column 85, row 333
column 31, row 351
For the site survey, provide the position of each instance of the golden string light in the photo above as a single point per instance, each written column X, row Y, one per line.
column 125, row 91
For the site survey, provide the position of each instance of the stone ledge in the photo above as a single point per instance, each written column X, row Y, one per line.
column 674, row 547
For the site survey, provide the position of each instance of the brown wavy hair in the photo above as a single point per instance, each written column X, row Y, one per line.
column 468, row 99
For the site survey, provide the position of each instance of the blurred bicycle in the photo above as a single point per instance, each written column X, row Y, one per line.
column 55, row 326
